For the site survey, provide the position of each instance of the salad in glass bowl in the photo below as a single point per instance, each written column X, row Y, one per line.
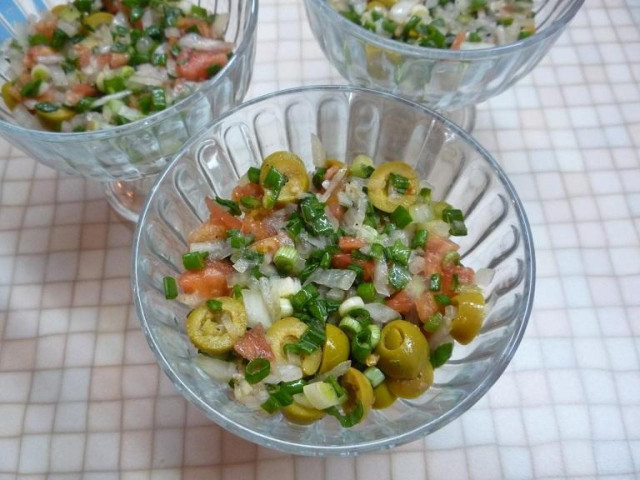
column 110, row 90
column 87, row 65
column 327, row 292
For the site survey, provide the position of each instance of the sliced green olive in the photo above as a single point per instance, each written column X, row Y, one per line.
column 289, row 165
column 216, row 332
column 470, row 315
column 301, row 414
column 336, row 348
column 385, row 198
column 52, row 120
column 289, row 330
column 383, row 397
column 403, row 350
column 99, row 18
column 413, row 387
column 8, row 96
column 359, row 390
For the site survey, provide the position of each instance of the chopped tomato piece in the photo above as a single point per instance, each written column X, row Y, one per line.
column 254, row 344
column 115, row 6
column 209, row 282
column 207, row 233
column 117, row 60
column 46, row 27
column 401, row 302
column 83, row 54
column 367, row 269
column 341, row 260
column 78, row 92
column 348, row 244
column 458, row 41
column 193, row 65
column 219, row 216
column 435, row 250
column 247, row 190
column 426, row 306
column 466, row 276
column 334, row 206
column 331, row 172
column 48, row 96
column 260, row 229
column 31, row 58
column 203, row 27
column 267, row 245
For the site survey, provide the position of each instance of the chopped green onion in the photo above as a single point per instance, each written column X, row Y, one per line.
column 389, row 228
column 361, row 346
column 451, row 214
column 254, row 174
column 294, row 386
column 30, row 89
column 458, row 228
column 410, row 25
column 250, row 202
column 350, row 326
column 377, row 251
column 399, row 183
column 398, row 276
column 477, row 5
column 158, row 99
column 194, row 260
column 170, row 288
column 366, row 291
column 442, row 299
column 256, row 370
column 237, row 292
column 38, row 39
column 318, row 177
column 439, row 208
column 294, row 225
column 350, row 419
column 435, row 282
column 83, row 5
column 359, row 271
column 300, row 299
column 317, row 307
column 419, row 239
column 441, row 354
column 401, row 217
column 340, row 392
column 285, row 258
column 274, row 179
column 399, row 252
column 474, row 37
column 314, row 216
column 362, row 166
column 425, row 194
column 389, row 26
column 455, row 282
column 159, row 59
column 58, row 39
column 451, row 258
column 311, row 340
column 374, row 337
column 136, row 14
column 214, row 305
column 434, row 322
column 212, row 70
column 361, row 315
column 325, row 260
column 525, row 34
column 234, row 232
column 46, row 107
column 199, row 12
column 84, row 104
column 238, row 241
column 232, row 206
column 505, row 21
column 114, row 85
column 374, row 375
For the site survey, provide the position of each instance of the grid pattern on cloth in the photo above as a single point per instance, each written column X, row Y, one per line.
column 82, row 397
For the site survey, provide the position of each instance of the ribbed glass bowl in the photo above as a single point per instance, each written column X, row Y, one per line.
column 122, row 157
column 349, row 121
column 443, row 79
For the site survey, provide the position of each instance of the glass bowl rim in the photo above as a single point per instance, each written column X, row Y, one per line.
column 442, row 54
column 306, row 449
column 146, row 122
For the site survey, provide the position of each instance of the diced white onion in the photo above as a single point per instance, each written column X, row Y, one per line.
column 67, row 28
column 256, row 308
column 321, row 395
column 336, row 372
column 367, row 233
column 450, row 312
column 216, row 249
column 333, row 278
column 147, row 18
column 219, row 24
column 215, row 368
column 381, row 278
column 171, row 32
column 286, row 309
column 415, row 287
column 335, row 294
column 484, row 276
column 289, row 373
column 51, row 59
column 195, row 41
column 317, row 151
column 113, row 96
column 438, row 227
column 271, row 301
column 284, row 287
column 416, row 263
column 333, row 184
column 350, row 304
column 380, row 313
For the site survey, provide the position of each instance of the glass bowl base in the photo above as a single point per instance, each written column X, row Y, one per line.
column 127, row 197
column 465, row 117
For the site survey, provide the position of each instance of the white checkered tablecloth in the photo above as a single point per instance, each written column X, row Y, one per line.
column 81, row 395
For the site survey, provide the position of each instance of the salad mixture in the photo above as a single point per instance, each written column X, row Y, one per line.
column 92, row 64
column 327, row 293
column 453, row 24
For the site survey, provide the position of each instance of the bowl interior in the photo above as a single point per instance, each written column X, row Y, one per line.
column 349, row 121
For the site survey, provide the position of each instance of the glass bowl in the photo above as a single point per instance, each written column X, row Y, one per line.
column 447, row 80
column 124, row 157
column 349, row 121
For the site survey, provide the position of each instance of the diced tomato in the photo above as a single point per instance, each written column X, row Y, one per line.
column 341, row 260
column 219, row 216
column 247, row 190
column 203, row 27
column 209, row 282
column 435, row 250
column 83, row 54
column 347, row 244
column 259, row 228
column 267, row 245
column 46, row 27
column 334, row 206
column 115, row 6
column 192, row 65
column 426, row 306
column 31, row 58
column 331, row 172
column 117, row 60
column 401, row 302
column 458, row 41
column 78, row 92
column 254, row 344
column 207, row 233
column 466, row 276
column 48, row 96
column 367, row 269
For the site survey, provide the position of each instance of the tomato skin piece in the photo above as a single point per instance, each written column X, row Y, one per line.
column 209, row 282
column 347, row 244
column 334, row 206
column 219, row 216
column 254, row 344
column 192, row 65
column 401, row 302
column 343, row 260
column 426, row 306
column 257, row 227
column 247, row 190
column 367, row 269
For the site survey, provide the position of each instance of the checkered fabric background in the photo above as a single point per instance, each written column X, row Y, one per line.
column 82, row 397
